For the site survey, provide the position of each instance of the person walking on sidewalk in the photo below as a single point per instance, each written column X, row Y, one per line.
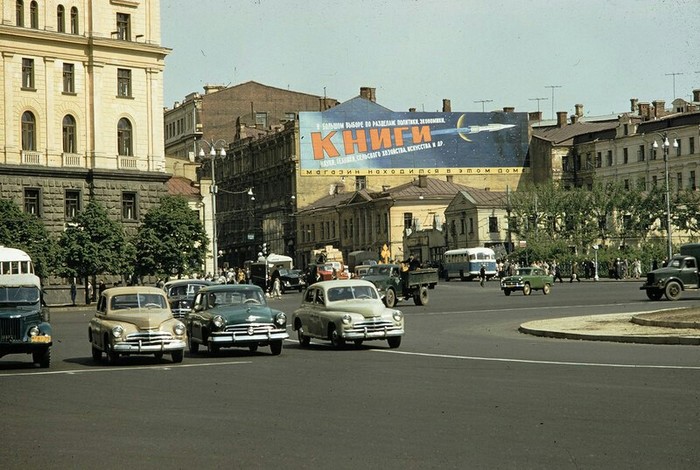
column 574, row 272
column 482, row 275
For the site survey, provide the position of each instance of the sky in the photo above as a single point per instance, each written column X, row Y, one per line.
column 546, row 55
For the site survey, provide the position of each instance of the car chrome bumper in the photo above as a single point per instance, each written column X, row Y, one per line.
column 240, row 337
column 381, row 334
column 132, row 348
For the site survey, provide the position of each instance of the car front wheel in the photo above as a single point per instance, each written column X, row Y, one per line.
column 177, row 356
column 390, row 298
column 42, row 358
column 276, row 347
column 302, row 338
column 527, row 289
column 673, row 290
column 96, row 354
column 394, row 342
column 506, row 292
column 546, row 289
column 335, row 338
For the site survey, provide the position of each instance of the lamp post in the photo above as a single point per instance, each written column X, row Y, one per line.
column 213, row 190
column 595, row 250
column 665, row 144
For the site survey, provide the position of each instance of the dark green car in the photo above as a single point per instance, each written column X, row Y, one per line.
column 527, row 280
column 234, row 315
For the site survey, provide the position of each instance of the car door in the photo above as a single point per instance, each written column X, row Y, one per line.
column 316, row 311
column 194, row 317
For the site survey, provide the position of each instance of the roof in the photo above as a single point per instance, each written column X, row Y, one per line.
column 433, row 188
column 483, row 197
column 564, row 135
column 181, row 186
column 357, row 104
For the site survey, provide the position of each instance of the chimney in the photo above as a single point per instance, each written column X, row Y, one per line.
column 368, row 93
column 508, row 109
column 561, row 118
column 579, row 110
column 209, row 89
column 534, row 116
column 696, row 96
column 422, row 181
column 446, row 106
column 644, row 111
column 634, row 104
column 574, row 118
column 659, row 108
column 411, row 110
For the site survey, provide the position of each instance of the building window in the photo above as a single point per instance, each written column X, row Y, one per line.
column 19, row 13
column 599, row 160
column 627, row 184
column 261, row 120
column 360, row 183
column 407, row 220
column 28, row 74
column 641, row 184
column 70, row 144
column 124, row 83
column 691, row 145
column 28, row 131
column 74, row 21
column 678, row 149
column 609, row 158
column 679, row 181
column 471, row 225
column 290, row 116
column 626, row 129
column 124, row 26
column 34, row 15
column 493, row 224
column 129, row 206
column 72, row 202
column 654, row 181
column 68, row 78
column 463, row 226
column 32, row 201
column 61, row 19
column 640, row 154
column 691, row 180
column 124, row 141
column 625, row 156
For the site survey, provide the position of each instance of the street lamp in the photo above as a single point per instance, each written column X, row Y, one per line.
column 595, row 250
column 665, row 144
column 213, row 190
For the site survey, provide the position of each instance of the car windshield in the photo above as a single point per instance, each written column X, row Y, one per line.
column 19, row 295
column 136, row 301
column 524, row 272
column 379, row 270
column 336, row 294
column 184, row 289
column 233, row 298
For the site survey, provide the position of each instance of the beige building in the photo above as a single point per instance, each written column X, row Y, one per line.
column 477, row 217
column 82, row 108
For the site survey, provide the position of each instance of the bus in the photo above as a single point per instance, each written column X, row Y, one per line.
column 14, row 261
column 465, row 263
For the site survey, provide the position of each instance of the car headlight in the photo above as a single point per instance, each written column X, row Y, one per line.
column 218, row 321
column 179, row 329
column 34, row 331
column 347, row 319
column 397, row 315
column 280, row 319
column 117, row 331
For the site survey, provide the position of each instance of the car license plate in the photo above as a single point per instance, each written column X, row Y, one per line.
column 41, row 339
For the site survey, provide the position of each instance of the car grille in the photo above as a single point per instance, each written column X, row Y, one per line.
column 150, row 337
column 10, row 329
column 251, row 328
column 371, row 326
column 293, row 281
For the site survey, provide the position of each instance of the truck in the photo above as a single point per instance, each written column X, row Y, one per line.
column 680, row 274
column 394, row 283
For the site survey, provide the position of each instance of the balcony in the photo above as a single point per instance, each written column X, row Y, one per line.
column 127, row 163
column 72, row 159
column 32, row 157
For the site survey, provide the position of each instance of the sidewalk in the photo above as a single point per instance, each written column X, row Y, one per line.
column 673, row 326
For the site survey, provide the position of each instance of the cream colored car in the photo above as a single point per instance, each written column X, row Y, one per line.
column 135, row 321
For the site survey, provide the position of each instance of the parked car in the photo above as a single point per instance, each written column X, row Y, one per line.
column 234, row 315
column 291, row 279
column 346, row 310
column 527, row 280
column 181, row 294
column 135, row 320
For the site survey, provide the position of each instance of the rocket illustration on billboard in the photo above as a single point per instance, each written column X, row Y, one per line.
column 464, row 131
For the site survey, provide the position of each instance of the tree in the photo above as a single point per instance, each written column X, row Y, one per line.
column 26, row 232
column 171, row 240
column 95, row 245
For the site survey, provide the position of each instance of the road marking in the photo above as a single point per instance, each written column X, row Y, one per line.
column 126, row 368
column 532, row 361
column 512, row 309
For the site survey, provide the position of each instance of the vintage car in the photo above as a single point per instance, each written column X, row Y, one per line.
column 234, row 315
column 24, row 327
column 291, row 279
column 346, row 310
column 181, row 294
column 135, row 320
column 527, row 280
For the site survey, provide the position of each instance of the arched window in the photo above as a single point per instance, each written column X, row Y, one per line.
column 19, row 12
column 70, row 144
column 61, row 19
column 74, row 21
column 28, row 131
column 124, row 143
column 34, row 15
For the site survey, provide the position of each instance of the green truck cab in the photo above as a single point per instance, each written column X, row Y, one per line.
column 680, row 274
column 395, row 284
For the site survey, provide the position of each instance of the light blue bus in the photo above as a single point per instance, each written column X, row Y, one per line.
column 465, row 263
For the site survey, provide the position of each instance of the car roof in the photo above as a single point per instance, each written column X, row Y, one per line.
column 182, row 282
column 342, row 283
column 229, row 288
column 112, row 291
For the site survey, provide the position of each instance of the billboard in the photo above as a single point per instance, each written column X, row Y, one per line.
column 356, row 142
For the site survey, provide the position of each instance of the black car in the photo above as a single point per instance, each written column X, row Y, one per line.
column 291, row 279
column 181, row 293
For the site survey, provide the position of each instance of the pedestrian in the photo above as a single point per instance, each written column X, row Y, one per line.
column 557, row 274
column 73, row 291
column 574, row 272
column 277, row 288
column 89, row 292
column 482, row 275
column 101, row 287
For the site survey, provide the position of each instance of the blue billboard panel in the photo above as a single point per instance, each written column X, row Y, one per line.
column 338, row 142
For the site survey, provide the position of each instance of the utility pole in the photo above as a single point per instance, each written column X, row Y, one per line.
column 553, row 87
column 538, row 102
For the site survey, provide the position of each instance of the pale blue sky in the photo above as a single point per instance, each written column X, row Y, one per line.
column 417, row 52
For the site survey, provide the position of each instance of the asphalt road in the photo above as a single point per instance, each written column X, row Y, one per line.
column 464, row 390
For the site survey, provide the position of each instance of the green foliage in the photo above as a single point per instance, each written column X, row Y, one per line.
column 171, row 240
column 95, row 245
column 26, row 232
